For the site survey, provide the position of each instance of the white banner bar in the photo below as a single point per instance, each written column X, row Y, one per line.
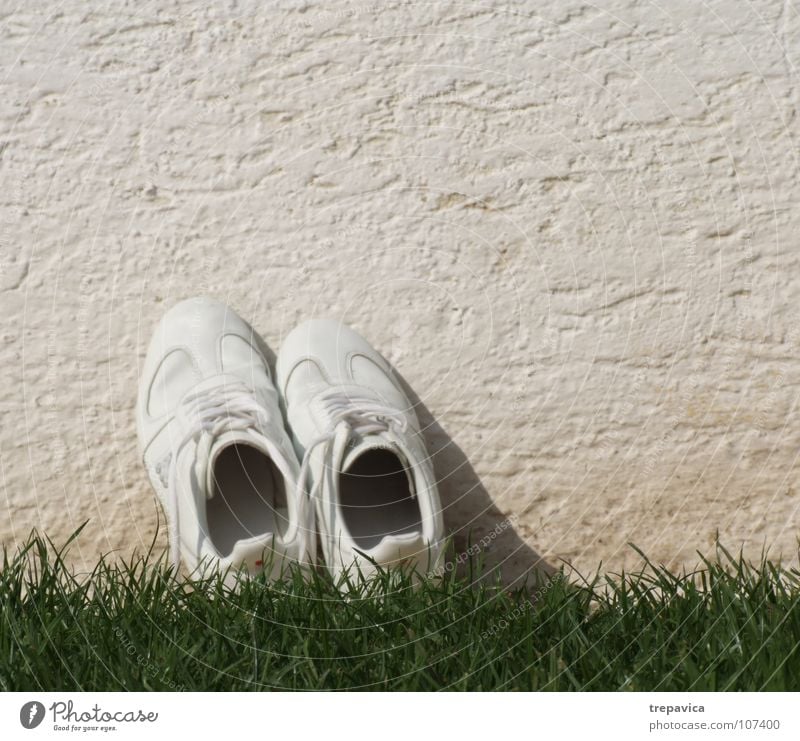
column 399, row 716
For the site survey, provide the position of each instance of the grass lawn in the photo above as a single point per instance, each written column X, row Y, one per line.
column 729, row 626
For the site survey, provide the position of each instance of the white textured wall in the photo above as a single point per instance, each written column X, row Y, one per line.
column 572, row 226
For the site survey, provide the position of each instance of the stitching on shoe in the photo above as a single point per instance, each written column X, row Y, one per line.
column 358, row 353
column 259, row 355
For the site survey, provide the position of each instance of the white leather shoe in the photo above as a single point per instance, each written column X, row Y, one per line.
column 364, row 461
column 215, row 447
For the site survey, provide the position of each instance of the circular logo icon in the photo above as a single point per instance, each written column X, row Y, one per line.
column 32, row 714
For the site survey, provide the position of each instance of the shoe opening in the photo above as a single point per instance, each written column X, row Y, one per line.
column 249, row 498
column 375, row 499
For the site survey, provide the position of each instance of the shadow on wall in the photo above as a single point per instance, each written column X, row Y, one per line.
column 471, row 519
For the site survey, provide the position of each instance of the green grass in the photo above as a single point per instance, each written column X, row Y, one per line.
column 730, row 625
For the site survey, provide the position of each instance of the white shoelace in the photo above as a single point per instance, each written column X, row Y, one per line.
column 349, row 413
column 209, row 413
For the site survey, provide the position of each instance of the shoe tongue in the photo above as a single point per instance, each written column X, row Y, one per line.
column 360, row 444
column 221, row 442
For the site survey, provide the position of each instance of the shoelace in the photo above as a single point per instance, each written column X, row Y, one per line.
column 209, row 413
column 349, row 413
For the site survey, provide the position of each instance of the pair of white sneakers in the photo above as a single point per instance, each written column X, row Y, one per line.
column 243, row 493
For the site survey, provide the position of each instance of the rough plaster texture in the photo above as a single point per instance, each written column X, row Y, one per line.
column 572, row 226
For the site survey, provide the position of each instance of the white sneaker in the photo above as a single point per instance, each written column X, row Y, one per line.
column 214, row 444
column 364, row 460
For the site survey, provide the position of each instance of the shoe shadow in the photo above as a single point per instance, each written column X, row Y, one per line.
column 474, row 524
column 266, row 351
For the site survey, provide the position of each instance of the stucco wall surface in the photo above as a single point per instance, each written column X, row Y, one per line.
column 572, row 227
